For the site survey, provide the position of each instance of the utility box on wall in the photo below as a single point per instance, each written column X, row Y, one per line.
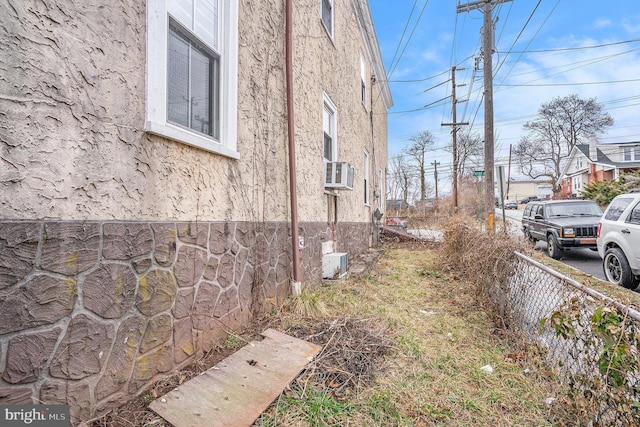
column 334, row 265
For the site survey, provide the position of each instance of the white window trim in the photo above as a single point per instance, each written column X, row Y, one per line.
column 156, row 81
column 632, row 154
column 334, row 140
column 363, row 80
column 333, row 22
column 381, row 190
column 366, row 179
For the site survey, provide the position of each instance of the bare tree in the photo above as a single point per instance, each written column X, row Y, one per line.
column 470, row 149
column 429, row 191
column 401, row 179
column 422, row 142
column 560, row 125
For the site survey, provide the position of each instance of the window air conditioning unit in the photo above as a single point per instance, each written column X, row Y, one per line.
column 338, row 175
column 334, row 265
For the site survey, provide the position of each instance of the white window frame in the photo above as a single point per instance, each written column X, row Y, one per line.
column 363, row 80
column 365, row 172
column 381, row 189
column 328, row 105
column 332, row 22
column 156, row 78
column 631, row 154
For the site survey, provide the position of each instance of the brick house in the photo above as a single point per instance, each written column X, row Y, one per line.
column 161, row 184
column 588, row 163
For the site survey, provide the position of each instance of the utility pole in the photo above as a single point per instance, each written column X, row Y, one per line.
column 509, row 170
column 435, row 176
column 487, row 54
column 454, row 148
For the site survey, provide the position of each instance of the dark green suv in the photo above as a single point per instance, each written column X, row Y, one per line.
column 562, row 224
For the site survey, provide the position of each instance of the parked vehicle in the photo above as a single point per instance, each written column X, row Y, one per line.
column 528, row 199
column 396, row 221
column 510, row 204
column 619, row 240
column 563, row 224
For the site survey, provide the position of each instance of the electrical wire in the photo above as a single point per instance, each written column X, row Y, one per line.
column 406, row 25
column 409, row 39
column 578, row 48
column 530, row 40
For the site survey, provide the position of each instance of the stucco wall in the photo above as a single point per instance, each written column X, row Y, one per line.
column 334, row 68
column 72, row 104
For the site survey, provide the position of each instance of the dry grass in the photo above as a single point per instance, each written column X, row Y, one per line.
column 403, row 346
column 439, row 338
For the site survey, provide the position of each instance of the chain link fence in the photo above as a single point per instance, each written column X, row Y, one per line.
column 589, row 339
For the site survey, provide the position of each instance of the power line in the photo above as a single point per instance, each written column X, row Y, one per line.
column 569, row 49
column 409, row 39
column 571, row 84
column 530, row 40
column 402, row 36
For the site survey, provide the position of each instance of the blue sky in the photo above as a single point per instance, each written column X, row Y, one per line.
column 545, row 49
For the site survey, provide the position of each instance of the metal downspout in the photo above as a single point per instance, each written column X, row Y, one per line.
column 292, row 152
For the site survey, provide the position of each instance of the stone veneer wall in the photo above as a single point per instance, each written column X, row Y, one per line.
column 352, row 238
column 92, row 312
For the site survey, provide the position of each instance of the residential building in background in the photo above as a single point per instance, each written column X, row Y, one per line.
column 588, row 163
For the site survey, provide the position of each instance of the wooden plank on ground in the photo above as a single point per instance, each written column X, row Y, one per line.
column 238, row 389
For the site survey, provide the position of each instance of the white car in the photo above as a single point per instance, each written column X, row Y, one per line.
column 619, row 240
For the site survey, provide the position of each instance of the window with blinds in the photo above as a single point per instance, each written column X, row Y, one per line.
column 192, row 48
column 192, row 83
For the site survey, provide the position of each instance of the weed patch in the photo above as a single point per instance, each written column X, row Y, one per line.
column 403, row 346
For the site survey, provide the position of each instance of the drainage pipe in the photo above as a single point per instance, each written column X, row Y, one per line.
column 292, row 151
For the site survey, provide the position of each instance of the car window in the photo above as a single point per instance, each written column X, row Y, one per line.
column 527, row 210
column 540, row 210
column 574, row 209
column 617, row 206
column 634, row 216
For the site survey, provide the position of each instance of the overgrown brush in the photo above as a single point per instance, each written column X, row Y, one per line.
column 604, row 340
column 483, row 258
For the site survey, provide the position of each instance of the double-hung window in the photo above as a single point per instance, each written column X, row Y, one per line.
column 363, row 80
column 193, row 83
column 329, row 130
column 631, row 154
column 381, row 190
column 192, row 62
column 327, row 15
column 365, row 169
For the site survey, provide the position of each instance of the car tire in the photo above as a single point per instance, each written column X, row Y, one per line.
column 617, row 270
column 553, row 249
column 529, row 237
